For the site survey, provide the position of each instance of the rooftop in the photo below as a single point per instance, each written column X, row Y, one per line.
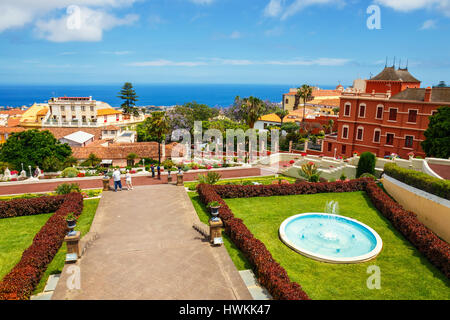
column 418, row 94
column 79, row 136
column 391, row 74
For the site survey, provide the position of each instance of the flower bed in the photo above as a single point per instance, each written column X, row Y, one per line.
column 270, row 273
column 20, row 282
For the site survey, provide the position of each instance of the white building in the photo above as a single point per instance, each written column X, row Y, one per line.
column 78, row 139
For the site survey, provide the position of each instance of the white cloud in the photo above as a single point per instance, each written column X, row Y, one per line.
column 411, row 5
column 166, row 63
column 91, row 26
column 242, row 62
column 274, row 8
column 428, row 24
column 18, row 13
column 202, row 2
column 235, row 35
column 299, row 5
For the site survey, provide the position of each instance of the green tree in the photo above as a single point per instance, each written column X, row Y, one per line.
column 183, row 117
column 129, row 96
column 157, row 126
column 366, row 164
column 131, row 158
column 437, row 136
column 253, row 109
column 70, row 161
column 305, row 93
column 91, row 161
column 32, row 147
column 282, row 114
column 51, row 164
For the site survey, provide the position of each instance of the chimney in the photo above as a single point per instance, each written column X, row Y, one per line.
column 427, row 95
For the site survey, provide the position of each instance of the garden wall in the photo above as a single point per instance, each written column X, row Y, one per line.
column 431, row 210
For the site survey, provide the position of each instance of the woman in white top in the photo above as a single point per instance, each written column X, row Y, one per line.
column 128, row 180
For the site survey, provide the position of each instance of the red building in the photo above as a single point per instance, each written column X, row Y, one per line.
column 385, row 123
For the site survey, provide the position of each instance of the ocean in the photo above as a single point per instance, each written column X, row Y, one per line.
column 214, row 95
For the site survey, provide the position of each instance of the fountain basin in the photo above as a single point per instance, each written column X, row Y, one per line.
column 330, row 238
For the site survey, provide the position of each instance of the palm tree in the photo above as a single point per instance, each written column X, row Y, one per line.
column 158, row 126
column 254, row 109
column 282, row 114
column 305, row 93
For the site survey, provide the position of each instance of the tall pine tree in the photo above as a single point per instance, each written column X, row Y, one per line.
column 129, row 96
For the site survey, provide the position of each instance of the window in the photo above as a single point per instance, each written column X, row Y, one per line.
column 345, row 132
column 344, row 149
column 359, row 133
column 347, row 109
column 362, row 111
column 390, row 139
column 376, row 136
column 92, row 108
column 409, row 141
column 62, row 108
column 287, row 101
column 380, row 112
column 330, row 146
column 83, row 108
column 392, row 114
column 412, row 116
column 72, row 108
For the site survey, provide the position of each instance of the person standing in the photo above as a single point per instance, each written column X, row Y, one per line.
column 128, row 180
column 159, row 172
column 117, row 182
column 153, row 171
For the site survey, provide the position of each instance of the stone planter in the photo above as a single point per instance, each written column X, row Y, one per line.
column 50, row 175
column 215, row 212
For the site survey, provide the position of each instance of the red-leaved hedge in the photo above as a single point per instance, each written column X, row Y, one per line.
column 29, row 207
column 20, row 282
column 270, row 273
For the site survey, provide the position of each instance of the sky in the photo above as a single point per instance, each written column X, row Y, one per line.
column 321, row 42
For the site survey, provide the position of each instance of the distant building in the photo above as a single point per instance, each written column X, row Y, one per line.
column 384, row 121
column 318, row 95
column 78, row 139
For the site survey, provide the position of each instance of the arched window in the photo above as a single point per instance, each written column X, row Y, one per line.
column 345, row 132
column 380, row 110
column 377, row 136
column 362, row 111
column 359, row 133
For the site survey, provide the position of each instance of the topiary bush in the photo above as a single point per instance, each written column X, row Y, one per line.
column 67, row 188
column 368, row 175
column 366, row 164
column 70, row 172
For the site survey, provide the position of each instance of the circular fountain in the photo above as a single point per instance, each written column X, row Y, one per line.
column 330, row 238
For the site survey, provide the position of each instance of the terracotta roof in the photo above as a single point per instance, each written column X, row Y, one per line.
column 111, row 127
column 13, row 122
column 12, row 112
column 10, row 130
column 108, row 111
column 390, row 74
column 418, row 94
column 326, row 102
column 42, row 112
column 121, row 151
column 62, row 132
column 321, row 93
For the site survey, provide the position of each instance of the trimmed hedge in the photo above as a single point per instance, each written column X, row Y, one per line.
column 270, row 273
column 29, row 207
column 20, row 282
column 419, row 180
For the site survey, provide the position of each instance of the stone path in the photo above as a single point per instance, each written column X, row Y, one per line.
column 441, row 170
column 137, row 181
column 147, row 249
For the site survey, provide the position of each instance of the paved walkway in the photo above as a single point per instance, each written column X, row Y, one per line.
column 441, row 170
column 147, row 249
column 137, row 181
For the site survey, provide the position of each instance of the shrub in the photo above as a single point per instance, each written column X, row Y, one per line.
column 310, row 172
column 419, row 180
column 20, row 282
column 51, row 164
column 368, row 175
column 70, row 172
column 366, row 164
column 343, row 177
column 67, row 188
column 210, row 178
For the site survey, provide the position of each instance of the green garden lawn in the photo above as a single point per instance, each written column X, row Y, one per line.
column 405, row 273
column 16, row 235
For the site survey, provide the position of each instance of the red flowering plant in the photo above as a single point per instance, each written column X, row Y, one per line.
column 13, row 172
column 81, row 175
column 291, row 162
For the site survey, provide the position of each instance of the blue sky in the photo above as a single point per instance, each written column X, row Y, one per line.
column 320, row 42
